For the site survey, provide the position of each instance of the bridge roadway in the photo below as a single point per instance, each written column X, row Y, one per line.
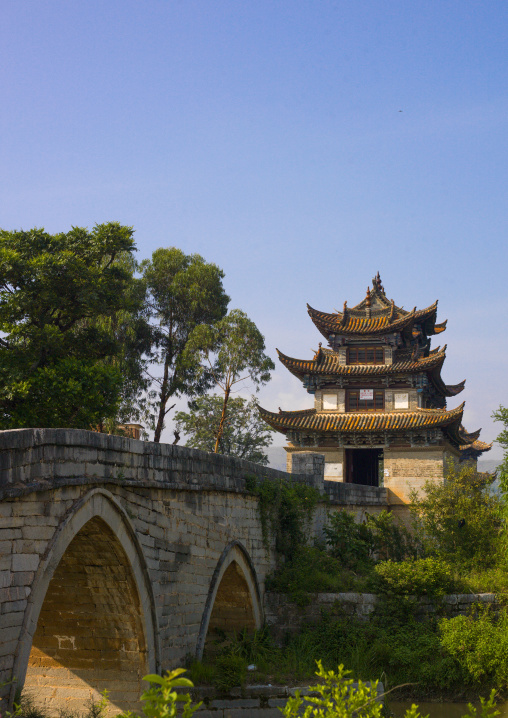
column 119, row 557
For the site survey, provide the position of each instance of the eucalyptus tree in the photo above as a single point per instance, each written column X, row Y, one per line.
column 233, row 349
column 244, row 434
column 184, row 293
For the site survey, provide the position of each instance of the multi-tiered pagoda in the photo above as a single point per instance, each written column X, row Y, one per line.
column 379, row 415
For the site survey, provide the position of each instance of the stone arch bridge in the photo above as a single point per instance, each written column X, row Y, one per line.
column 119, row 557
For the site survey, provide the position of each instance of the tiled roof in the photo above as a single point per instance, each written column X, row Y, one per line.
column 352, row 322
column 326, row 363
column 336, row 422
column 479, row 446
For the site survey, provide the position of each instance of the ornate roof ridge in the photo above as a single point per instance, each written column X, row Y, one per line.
column 351, row 422
column 451, row 413
column 370, row 322
column 326, row 356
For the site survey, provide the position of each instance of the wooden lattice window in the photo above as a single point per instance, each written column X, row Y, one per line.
column 365, row 355
column 372, row 400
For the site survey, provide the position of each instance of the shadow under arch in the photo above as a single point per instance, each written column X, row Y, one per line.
column 235, row 569
column 91, row 611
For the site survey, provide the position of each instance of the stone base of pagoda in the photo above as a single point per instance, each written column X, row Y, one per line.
column 404, row 469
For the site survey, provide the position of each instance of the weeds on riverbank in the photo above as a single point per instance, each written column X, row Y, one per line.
column 449, row 656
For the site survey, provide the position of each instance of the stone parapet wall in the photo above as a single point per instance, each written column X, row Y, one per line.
column 286, row 617
column 33, row 458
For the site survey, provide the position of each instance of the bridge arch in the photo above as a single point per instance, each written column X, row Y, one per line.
column 234, row 599
column 90, row 622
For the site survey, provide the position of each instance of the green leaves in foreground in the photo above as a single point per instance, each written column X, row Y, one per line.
column 338, row 697
column 160, row 700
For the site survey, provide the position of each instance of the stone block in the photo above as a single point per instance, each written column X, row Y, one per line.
column 277, row 702
column 235, row 703
column 25, row 562
column 5, row 579
column 251, row 713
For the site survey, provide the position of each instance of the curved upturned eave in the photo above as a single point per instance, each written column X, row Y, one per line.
column 349, row 422
column 469, row 437
column 476, row 447
column 377, row 325
column 321, row 366
column 447, row 390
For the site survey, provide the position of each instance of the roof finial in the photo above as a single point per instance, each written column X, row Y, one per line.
column 343, row 320
column 367, row 303
column 379, row 283
column 392, row 311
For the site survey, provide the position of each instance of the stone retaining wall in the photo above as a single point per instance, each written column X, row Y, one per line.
column 286, row 617
column 264, row 701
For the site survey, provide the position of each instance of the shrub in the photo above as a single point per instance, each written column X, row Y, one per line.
column 350, row 542
column 313, row 570
column 479, row 645
column 459, row 519
column 357, row 546
column 431, row 576
column 390, row 540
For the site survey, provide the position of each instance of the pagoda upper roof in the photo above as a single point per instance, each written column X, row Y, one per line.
column 326, row 363
column 376, row 315
column 327, row 422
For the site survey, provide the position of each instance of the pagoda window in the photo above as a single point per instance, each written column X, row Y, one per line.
column 329, row 401
column 365, row 355
column 401, row 400
column 365, row 400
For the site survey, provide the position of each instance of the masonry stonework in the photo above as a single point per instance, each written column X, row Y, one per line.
column 117, row 556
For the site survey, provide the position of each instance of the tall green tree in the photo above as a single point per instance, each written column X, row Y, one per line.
column 244, row 435
column 57, row 294
column 184, row 293
column 234, row 351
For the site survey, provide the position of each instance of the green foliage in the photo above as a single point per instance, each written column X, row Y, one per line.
column 312, row 570
column 358, row 546
column 161, row 699
column 185, row 294
column 57, row 294
column 479, row 644
column 337, row 697
column 286, row 509
column 230, row 671
column 502, row 415
column 487, row 707
column 234, row 349
column 459, row 519
column 202, row 674
column 425, row 576
column 350, row 542
column 244, row 433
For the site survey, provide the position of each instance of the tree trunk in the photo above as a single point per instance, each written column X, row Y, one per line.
column 220, row 430
column 162, row 406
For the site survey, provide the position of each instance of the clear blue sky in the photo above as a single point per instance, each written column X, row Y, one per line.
column 300, row 145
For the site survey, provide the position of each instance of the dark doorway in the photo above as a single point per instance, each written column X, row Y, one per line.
column 364, row 466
